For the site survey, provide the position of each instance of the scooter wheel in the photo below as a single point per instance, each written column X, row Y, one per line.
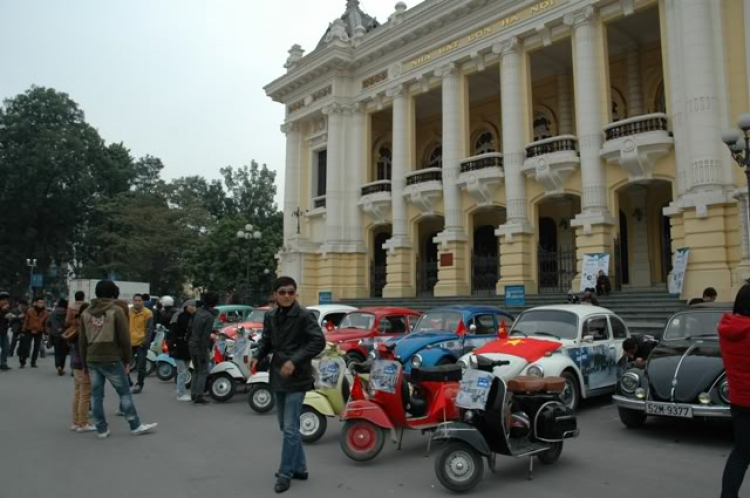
column 261, row 398
column 361, row 440
column 312, row 424
column 459, row 467
column 552, row 454
column 222, row 387
column 150, row 367
column 165, row 371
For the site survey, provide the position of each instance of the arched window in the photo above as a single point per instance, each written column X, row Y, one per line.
column 619, row 106
column 384, row 162
column 544, row 123
column 484, row 143
column 434, row 157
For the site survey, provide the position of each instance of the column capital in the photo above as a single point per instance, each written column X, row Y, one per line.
column 399, row 90
column 507, row 47
column 291, row 127
column 580, row 17
column 449, row 69
column 337, row 108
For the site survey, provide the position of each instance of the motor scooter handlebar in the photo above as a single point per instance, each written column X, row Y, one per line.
column 487, row 365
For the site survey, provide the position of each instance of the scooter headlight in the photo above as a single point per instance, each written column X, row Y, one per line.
column 630, row 382
column 468, row 415
column 535, row 371
column 416, row 361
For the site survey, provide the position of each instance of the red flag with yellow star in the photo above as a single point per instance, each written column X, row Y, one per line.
column 528, row 349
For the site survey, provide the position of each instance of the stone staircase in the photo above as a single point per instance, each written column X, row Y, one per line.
column 644, row 310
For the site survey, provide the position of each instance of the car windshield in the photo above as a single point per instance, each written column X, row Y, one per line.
column 439, row 320
column 545, row 323
column 256, row 316
column 362, row 321
column 698, row 323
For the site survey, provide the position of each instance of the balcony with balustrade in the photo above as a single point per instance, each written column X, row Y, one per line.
column 375, row 200
column 551, row 162
column 424, row 189
column 636, row 144
column 481, row 176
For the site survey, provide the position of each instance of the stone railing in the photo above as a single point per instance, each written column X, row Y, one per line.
column 424, row 176
column 634, row 126
column 376, row 187
column 319, row 202
column 563, row 143
column 484, row 161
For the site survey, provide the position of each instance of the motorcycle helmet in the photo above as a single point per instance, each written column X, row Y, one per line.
column 167, row 301
column 520, row 425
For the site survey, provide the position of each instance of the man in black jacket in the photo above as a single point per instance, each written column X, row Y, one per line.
column 292, row 334
column 200, row 344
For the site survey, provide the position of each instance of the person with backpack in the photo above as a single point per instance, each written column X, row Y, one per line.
column 105, row 355
column 179, row 335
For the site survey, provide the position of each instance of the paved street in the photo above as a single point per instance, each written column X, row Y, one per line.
column 226, row 450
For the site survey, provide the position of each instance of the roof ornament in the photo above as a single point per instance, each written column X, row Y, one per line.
column 337, row 30
column 398, row 16
column 295, row 55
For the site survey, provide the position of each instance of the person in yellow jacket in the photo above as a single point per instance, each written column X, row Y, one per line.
column 141, row 333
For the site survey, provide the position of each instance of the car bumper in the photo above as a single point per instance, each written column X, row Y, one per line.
column 698, row 410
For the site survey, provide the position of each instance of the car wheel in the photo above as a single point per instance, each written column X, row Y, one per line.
column 552, row 454
column 261, row 398
column 632, row 419
column 165, row 371
column 353, row 358
column 459, row 467
column 150, row 367
column 222, row 387
column 312, row 424
column 361, row 440
column 571, row 394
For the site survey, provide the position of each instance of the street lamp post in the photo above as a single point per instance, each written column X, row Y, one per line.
column 31, row 263
column 250, row 233
column 738, row 142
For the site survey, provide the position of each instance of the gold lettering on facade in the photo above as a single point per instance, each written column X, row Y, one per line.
column 528, row 12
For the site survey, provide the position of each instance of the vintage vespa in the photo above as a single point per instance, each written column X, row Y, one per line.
column 684, row 376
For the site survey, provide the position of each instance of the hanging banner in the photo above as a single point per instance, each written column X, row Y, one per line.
column 592, row 264
column 677, row 277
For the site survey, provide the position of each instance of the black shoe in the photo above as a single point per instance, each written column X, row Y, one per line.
column 300, row 476
column 5, row 367
column 282, row 484
column 23, row 365
column 137, row 389
column 200, row 400
column 33, row 365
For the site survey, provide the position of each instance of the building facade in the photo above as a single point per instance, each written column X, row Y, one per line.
column 467, row 145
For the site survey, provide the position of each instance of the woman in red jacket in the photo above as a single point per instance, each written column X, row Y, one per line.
column 734, row 337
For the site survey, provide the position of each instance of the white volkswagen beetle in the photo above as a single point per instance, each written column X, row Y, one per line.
column 581, row 343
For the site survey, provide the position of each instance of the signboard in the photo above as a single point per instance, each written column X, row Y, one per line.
column 384, row 376
column 515, row 295
column 474, row 390
column 325, row 297
column 592, row 264
column 37, row 280
column 677, row 277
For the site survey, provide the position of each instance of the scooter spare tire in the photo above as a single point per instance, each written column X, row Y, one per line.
column 222, row 387
column 312, row 424
column 150, row 367
column 165, row 371
column 361, row 440
column 459, row 467
column 261, row 398
column 551, row 455
column 188, row 378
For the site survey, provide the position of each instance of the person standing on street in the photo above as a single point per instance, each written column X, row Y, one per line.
column 141, row 329
column 32, row 331
column 200, row 344
column 179, row 331
column 292, row 335
column 18, row 314
column 56, row 328
column 81, row 378
column 734, row 341
column 5, row 318
column 71, row 320
column 105, row 354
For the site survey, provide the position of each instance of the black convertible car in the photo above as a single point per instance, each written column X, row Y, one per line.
column 684, row 376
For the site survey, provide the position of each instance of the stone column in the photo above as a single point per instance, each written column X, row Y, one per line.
column 453, row 242
column 640, row 265
column 677, row 101
column 747, row 44
column 400, row 278
column 635, row 94
column 566, row 107
column 354, row 177
column 291, row 178
column 517, row 235
column 335, row 174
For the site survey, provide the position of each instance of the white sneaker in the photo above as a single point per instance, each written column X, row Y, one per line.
column 184, row 397
column 103, row 435
column 74, row 428
column 144, row 429
column 87, row 428
column 120, row 413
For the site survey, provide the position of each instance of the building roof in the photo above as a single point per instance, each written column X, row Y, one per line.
column 353, row 17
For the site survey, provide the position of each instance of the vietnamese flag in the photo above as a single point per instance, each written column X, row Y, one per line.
column 528, row 349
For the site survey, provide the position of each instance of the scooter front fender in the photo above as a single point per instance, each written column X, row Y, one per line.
column 227, row 367
column 166, row 359
column 258, row 378
column 151, row 356
column 320, row 403
column 458, row 431
column 367, row 410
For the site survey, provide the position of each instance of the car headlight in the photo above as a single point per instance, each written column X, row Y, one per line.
column 535, row 371
column 416, row 361
column 630, row 382
column 724, row 391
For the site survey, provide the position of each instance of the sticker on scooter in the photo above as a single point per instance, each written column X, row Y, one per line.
column 474, row 390
column 384, row 376
column 328, row 371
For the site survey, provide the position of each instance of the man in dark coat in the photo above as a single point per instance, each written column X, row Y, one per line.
column 292, row 335
column 179, row 333
column 199, row 345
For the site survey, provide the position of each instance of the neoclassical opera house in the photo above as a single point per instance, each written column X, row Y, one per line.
column 462, row 146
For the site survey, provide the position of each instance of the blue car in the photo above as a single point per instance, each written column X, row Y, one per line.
column 443, row 335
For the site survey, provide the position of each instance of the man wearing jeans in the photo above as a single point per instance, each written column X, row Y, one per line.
column 105, row 354
column 199, row 345
column 141, row 331
column 292, row 335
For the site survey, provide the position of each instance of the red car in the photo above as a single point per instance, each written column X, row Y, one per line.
column 360, row 330
column 253, row 325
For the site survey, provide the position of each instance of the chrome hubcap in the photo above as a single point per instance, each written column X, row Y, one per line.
column 221, row 386
column 309, row 423
column 568, row 394
column 262, row 398
column 460, row 466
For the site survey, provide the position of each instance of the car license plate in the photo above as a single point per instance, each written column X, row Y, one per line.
column 669, row 410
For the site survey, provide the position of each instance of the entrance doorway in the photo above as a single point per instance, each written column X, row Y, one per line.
column 485, row 254
column 379, row 263
column 427, row 256
column 556, row 253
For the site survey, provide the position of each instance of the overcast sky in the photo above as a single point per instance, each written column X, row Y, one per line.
column 178, row 79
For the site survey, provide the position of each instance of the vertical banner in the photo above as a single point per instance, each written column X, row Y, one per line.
column 677, row 277
column 590, row 267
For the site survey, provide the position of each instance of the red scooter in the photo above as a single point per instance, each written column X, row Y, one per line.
column 390, row 406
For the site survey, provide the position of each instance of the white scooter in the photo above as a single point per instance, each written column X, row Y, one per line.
column 261, row 398
column 224, row 376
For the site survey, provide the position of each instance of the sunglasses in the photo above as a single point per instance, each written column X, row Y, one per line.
column 285, row 293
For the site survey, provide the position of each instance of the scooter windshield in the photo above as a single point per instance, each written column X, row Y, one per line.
column 474, row 390
column 329, row 371
column 384, row 376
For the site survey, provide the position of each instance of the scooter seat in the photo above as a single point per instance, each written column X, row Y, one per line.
column 555, row 385
column 526, row 384
column 361, row 368
column 443, row 373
